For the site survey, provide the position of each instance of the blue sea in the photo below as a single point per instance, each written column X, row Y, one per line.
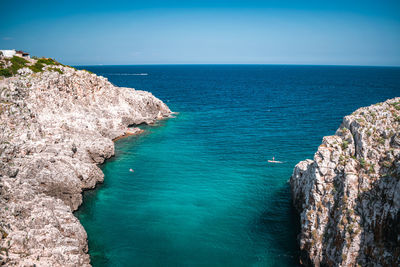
column 203, row 192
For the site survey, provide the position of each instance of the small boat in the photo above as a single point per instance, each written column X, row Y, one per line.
column 274, row 161
column 131, row 170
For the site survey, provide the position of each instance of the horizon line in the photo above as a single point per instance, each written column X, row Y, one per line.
column 260, row 64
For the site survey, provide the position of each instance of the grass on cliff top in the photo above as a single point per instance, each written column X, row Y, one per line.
column 41, row 62
column 5, row 72
column 16, row 64
column 19, row 63
column 55, row 69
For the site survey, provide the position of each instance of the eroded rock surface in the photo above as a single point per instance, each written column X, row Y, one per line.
column 348, row 197
column 56, row 127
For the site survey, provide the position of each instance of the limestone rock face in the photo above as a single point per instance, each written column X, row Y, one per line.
column 56, row 127
column 348, row 197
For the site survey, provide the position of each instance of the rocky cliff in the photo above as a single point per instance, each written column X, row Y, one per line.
column 348, row 197
column 57, row 125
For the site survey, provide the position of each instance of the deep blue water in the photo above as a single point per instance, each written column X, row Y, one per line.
column 202, row 193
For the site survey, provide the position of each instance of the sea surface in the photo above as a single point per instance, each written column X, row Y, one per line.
column 202, row 192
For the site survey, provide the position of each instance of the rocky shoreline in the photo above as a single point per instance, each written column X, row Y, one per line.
column 348, row 196
column 57, row 125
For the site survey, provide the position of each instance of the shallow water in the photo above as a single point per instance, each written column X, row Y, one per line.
column 202, row 193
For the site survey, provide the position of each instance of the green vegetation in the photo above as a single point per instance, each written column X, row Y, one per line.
column 396, row 105
column 16, row 63
column 362, row 162
column 37, row 67
column 345, row 144
column 4, row 250
column 381, row 141
column 47, row 61
column 55, row 69
column 387, row 164
column 41, row 62
column 371, row 169
column 88, row 71
column 5, row 72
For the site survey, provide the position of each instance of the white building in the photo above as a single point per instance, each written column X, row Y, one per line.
column 8, row 53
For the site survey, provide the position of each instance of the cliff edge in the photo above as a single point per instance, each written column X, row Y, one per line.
column 348, row 197
column 57, row 125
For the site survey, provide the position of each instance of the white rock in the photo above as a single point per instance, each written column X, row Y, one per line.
column 355, row 209
column 55, row 129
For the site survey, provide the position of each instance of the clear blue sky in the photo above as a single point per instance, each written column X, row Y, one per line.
column 204, row 31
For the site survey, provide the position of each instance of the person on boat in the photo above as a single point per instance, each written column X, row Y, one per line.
column 274, row 161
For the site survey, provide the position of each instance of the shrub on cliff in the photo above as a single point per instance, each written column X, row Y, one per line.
column 41, row 62
column 47, row 61
column 16, row 63
column 5, row 72
column 37, row 67
column 55, row 69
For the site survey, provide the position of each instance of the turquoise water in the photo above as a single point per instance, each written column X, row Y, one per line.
column 202, row 193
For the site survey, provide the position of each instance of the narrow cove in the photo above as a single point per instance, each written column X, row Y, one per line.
column 202, row 192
